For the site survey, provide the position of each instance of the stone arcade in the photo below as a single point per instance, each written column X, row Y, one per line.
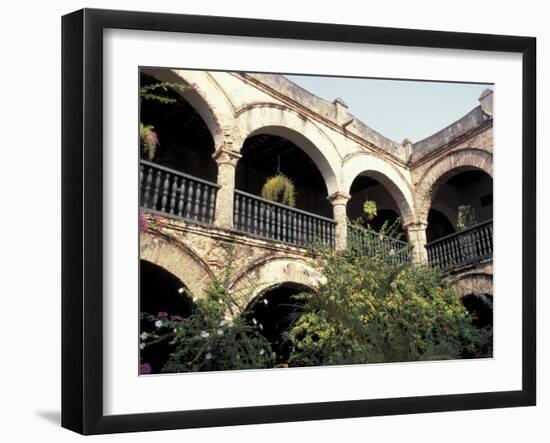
column 228, row 132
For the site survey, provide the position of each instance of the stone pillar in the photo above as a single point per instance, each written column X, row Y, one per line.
column 339, row 201
column 227, row 163
column 416, row 232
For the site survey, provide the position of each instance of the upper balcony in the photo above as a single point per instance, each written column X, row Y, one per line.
column 188, row 179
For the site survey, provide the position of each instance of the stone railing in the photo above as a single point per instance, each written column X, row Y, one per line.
column 266, row 219
column 175, row 194
column 468, row 246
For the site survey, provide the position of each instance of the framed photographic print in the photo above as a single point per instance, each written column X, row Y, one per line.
column 271, row 221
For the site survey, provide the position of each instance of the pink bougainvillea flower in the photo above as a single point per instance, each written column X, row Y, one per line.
column 176, row 318
column 143, row 224
column 154, row 138
column 162, row 314
column 145, row 368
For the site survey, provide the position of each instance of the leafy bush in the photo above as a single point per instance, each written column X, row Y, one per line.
column 370, row 310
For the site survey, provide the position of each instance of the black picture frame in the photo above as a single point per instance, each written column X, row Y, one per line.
column 82, row 218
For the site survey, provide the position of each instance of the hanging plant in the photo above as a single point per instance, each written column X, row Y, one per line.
column 280, row 189
column 370, row 209
column 148, row 140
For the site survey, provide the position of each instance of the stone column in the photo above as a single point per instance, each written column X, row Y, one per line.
column 339, row 201
column 416, row 232
column 227, row 163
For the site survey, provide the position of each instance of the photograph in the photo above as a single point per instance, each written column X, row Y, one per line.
column 304, row 220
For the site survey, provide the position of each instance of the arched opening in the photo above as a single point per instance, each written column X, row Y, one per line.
column 185, row 142
column 160, row 292
column 464, row 198
column 264, row 155
column 480, row 307
column 438, row 225
column 364, row 188
column 275, row 311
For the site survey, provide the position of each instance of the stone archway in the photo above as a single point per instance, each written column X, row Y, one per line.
column 387, row 175
column 204, row 96
column 473, row 283
column 283, row 122
column 178, row 259
column 444, row 169
column 272, row 272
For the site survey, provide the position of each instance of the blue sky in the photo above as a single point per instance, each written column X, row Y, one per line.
column 398, row 109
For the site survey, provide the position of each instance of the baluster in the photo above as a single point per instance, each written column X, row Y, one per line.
column 190, row 195
column 147, row 190
column 173, row 195
column 277, row 222
column 261, row 219
column 181, row 199
column 284, row 214
column 237, row 211
column 269, row 220
column 299, row 229
column 156, row 189
column 248, row 215
column 255, row 217
column 141, row 181
column 212, row 204
column 196, row 209
column 205, row 202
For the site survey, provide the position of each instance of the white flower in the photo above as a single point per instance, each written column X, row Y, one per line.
column 181, row 290
column 254, row 321
column 175, row 331
column 205, row 334
column 158, row 323
column 144, row 336
column 142, row 346
column 220, row 332
column 223, row 322
column 262, row 351
column 261, row 327
column 208, row 356
column 265, row 301
column 392, row 252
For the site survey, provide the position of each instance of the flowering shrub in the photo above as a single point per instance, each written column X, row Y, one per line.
column 370, row 310
column 215, row 337
column 148, row 140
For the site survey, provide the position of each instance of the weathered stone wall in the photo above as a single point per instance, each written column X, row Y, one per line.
column 475, row 279
column 197, row 255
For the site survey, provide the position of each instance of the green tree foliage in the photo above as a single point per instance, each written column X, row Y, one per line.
column 151, row 92
column 466, row 217
column 370, row 310
column 280, row 188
